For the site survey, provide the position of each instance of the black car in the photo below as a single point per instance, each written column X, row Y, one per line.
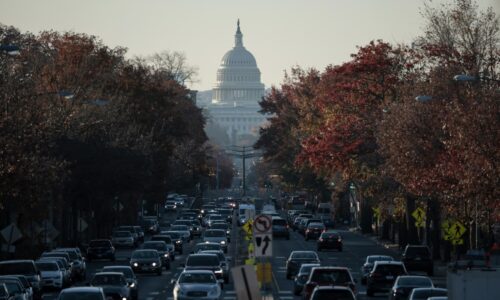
column 406, row 283
column 280, row 228
column 368, row 265
column 162, row 249
column 170, row 244
column 129, row 276
column 328, row 276
column 101, row 249
column 330, row 240
column 177, row 240
column 146, row 261
column 418, row 258
column 297, row 258
column 314, row 230
column 383, row 275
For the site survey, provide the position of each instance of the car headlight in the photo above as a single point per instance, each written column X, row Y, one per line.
column 153, row 264
column 177, row 242
column 218, row 271
column 135, row 264
column 223, row 242
column 228, row 232
column 165, row 255
column 132, row 285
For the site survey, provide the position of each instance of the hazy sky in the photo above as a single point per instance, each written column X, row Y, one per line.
column 280, row 33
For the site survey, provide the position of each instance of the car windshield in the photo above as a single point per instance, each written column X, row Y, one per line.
column 155, row 246
column 99, row 244
column 372, row 259
column 127, row 272
column 80, row 296
column 331, row 276
column 304, row 255
column 47, row 266
column 108, row 280
column 145, row 254
column 174, row 235
column 332, row 295
column 414, row 281
column 13, row 287
column 122, row 234
column 202, row 260
column 215, row 233
column 197, row 278
column 17, row 268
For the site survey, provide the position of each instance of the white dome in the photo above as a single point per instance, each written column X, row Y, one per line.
column 238, row 57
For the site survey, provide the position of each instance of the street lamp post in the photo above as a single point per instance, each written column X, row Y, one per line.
column 243, row 152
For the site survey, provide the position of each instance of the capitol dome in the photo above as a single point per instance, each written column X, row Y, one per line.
column 238, row 77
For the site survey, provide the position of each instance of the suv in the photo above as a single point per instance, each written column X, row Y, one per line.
column 280, row 227
column 101, row 249
column 328, row 276
column 383, row 275
column 26, row 268
column 418, row 258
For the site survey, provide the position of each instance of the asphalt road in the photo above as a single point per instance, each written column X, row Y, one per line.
column 356, row 248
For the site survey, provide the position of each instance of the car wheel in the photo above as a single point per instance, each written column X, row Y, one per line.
column 369, row 293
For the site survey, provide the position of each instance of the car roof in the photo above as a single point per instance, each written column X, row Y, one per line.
column 389, row 262
column 197, row 272
column 117, row 267
column 203, row 254
column 207, row 243
column 82, row 289
column 332, row 287
column 108, row 273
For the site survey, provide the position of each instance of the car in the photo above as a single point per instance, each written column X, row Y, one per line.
column 99, row 249
column 170, row 205
column 313, row 230
column 425, row 293
column 162, row 249
column 15, row 289
column 22, row 279
column 223, row 226
column 197, row 228
column 224, row 262
column 216, row 236
column 200, row 261
column 404, row 284
column 82, row 292
column 26, row 268
column 51, row 274
column 301, row 228
column 186, row 222
column 123, row 239
column 227, row 213
column 203, row 246
column 133, row 231
column 151, row 225
column 215, row 218
column 383, row 275
column 300, row 280
column 129, row 274
column 177, row 240
column 329, row 240
column 4, row 293
column 64, row 266
column 183, row 230
column 197, row 284
column 114, row 284
column 168, row 241
column 140, row 233
column 369, row 262
column 328, row 221
column 332, row 292
column 297, row 258
column 327, row 276
column 418, row 258
column 79, row 266
column 280, row 228
column 146, row 260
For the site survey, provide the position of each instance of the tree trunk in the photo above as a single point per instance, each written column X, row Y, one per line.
column 410, row 221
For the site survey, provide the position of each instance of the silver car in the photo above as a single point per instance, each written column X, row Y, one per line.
column 197, row 284
column 216, row 236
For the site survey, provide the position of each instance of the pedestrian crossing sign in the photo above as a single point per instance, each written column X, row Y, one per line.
column 419, row 215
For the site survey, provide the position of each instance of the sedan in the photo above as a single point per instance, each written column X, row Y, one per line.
column 297, row 258
column 113, row 284
column 216, row 236
column 183, row 230
column 90, row 293
column 129, row 276
column 314, row 230
column 162, row 249
column 146, row 261
column 330, row 240
column 301, row 278
column 199, row 284
column 406, row 283
column 425, row 293
column 332, row 292
column 368, row 265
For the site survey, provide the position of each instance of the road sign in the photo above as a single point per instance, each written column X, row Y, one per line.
column 245, row 283
column 11, row 234
column 419, row 215
column 247, row 227
column 262, row 224
column 376, row 213
column 263, row 245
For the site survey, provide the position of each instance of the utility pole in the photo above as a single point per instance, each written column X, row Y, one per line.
column 243, row 152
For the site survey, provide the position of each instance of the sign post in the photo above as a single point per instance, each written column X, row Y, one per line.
column 263, row 248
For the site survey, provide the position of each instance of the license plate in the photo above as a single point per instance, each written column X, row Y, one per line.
column 389, row 277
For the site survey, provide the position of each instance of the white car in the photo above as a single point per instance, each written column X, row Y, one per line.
column 51, row 274
column 122, row 239
column 199, row 284
column 216, row 236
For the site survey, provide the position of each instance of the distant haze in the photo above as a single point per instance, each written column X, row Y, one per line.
column 280, row 33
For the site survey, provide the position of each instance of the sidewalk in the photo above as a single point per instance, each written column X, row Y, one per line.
column 440, row 267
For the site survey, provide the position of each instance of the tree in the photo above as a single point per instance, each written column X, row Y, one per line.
column 172, row 65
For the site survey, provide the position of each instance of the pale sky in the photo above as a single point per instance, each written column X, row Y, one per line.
column 280, row 33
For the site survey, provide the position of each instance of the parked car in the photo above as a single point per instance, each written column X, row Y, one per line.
column 418, row 258
column 383, row 275
column 330, row 240
column 197, row 284
column 26, row 268
column 404, row 284
column 87, row 293
column 301, row 278
column 296, row 259
column 146, row 261
column 99, row 249
column 332, row 292
column 368, row 265
column 113, row 284
column 129, row 274
column 327, row 276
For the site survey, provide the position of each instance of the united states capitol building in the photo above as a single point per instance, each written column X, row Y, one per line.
column 236, row 93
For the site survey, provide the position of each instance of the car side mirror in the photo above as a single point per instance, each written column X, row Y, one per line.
column 172, row 281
